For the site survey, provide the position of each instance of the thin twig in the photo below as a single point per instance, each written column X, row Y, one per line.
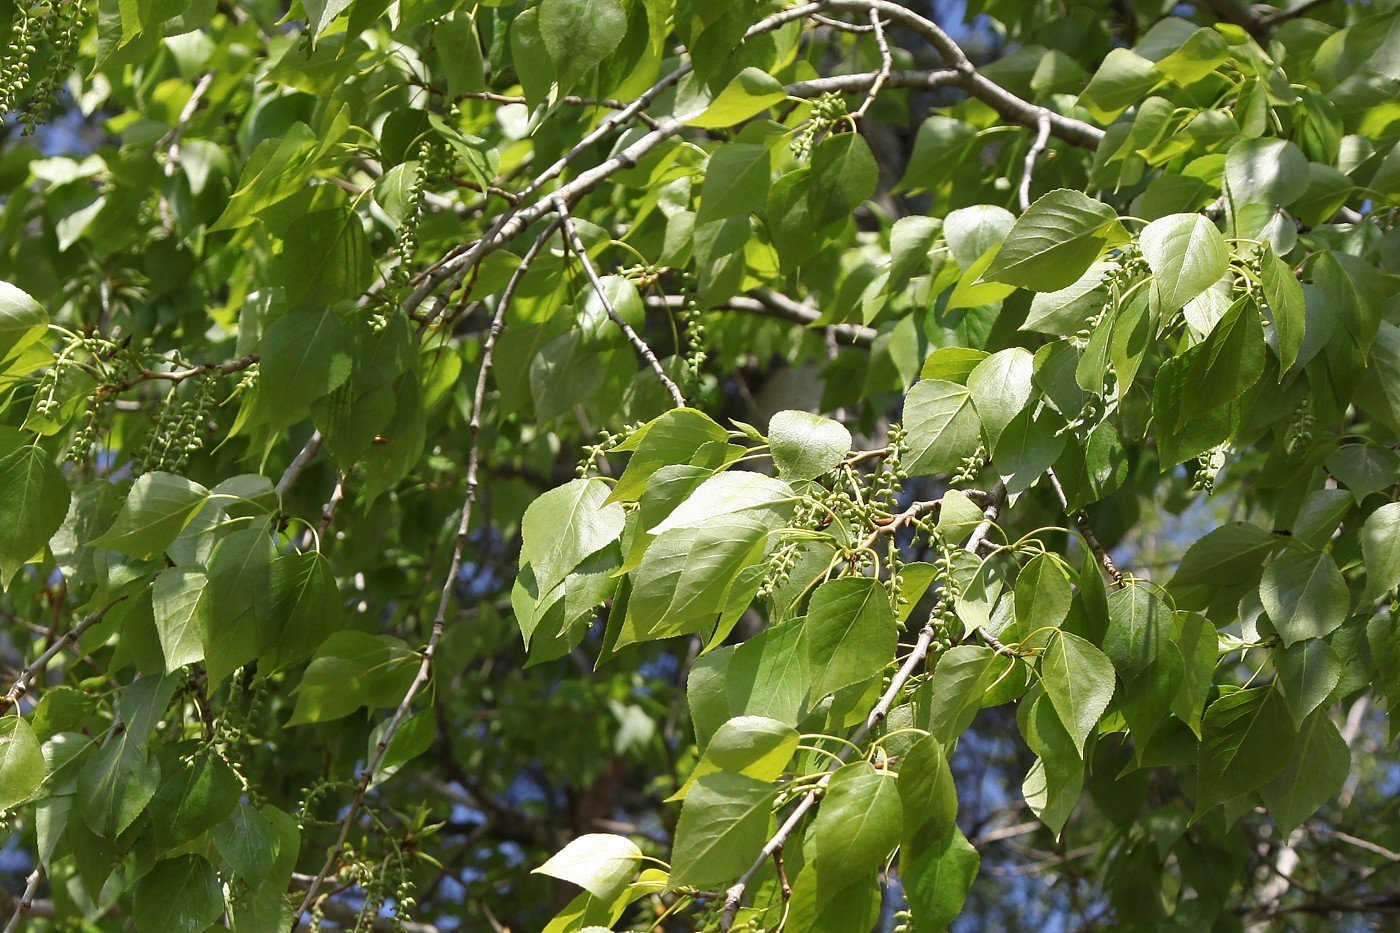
column 180, row 375
column 1081, row 521
column 975, row 83
column 886, row 64
column 425, row 666
column 1042, row 137
column 171, row 140
column 34, row 669
column 299, row 462
column 643, row 349
column 26, row 901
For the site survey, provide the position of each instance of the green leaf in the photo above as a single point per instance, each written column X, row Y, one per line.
column 1226, row 365
column 972, row 232
column 1305, row 596
column 771, row 675
column 566, row 525
column 1138, row 622
column 181, row 614
column 751, row 92
column 21, row 762
column 578, row 34
column 1066, row 311
column 36, row 500
column 193, row 795
column 1284, row 296
column 927, row 794
column 960, row 680
column 115, row 786
column 681, row 435
column 751, row 745
column 1307, row 672
column 723, row 825
column 805, row 445
column 1314, row 775
column 1272, row 172
column 600, row 863
column 684, row 579
column 154, row 513
column 305, row 355
column 1247, row 739
column 736, row 182
column 240, row 596
column 1122, row 80
column 350, row 670
column 1186, row 254
column 942, row 427
column 1054, row 783
column 857, row 826
column 246, row 840
column 739, row 493
column 1043, row 592
column 936, row 880
column 22, row 320
column 851, row 633
column 911, row 238
column 844, row 174
column 1054, row 242
column 1078, row 679
column 1380, row 549
column 305, row 606
column 1200, row 652
column 1233, row 553
column 1001, row 387
column 1027, row 447
column 178, row 895
column 325, row 259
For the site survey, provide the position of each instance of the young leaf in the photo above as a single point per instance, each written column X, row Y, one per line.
column 21, row 762
column 1186, row 254
column 1304, row 595
column 723, row 825
column 851, row 633
column 1054, row 242
column 578, row 34
column 600, row 863
column 1078, row 679
column 36, row 501
column 805, row 445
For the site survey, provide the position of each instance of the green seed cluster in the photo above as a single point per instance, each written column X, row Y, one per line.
column 971, row 466
column 594, row 453
column 1300, row 429
column 53, row 28
column 177, row 433
column 1209, row 465
column 828, row 111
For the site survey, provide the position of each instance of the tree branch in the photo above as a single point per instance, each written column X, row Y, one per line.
column 36, row 667
column 425, row 666
column 734, row 895
column 643, row 349
column 767, row 303
column 984, row 89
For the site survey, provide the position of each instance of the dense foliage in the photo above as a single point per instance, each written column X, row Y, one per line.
column 416, row 511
